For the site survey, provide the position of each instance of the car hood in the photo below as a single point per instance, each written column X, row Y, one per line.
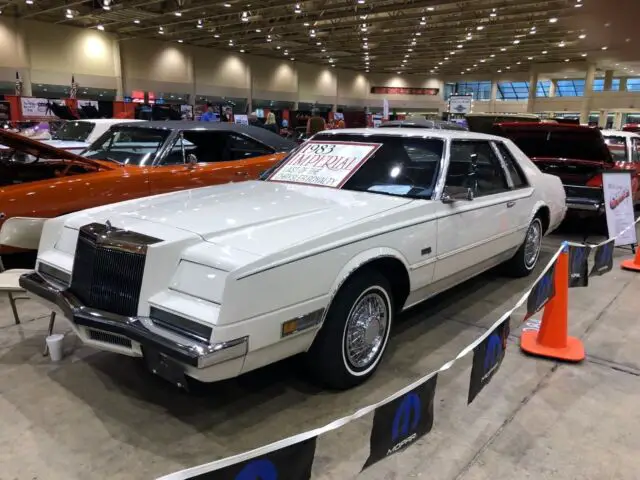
column 40, row 149
column 256, row 217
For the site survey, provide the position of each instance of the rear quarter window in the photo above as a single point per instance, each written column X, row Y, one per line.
column 514, row 169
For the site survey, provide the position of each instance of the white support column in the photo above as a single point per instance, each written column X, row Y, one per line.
column 553, row 86
column 608, row 80
column 602, row 118
column 494, row 96
column 533, row 86
column 623, row 84
column 617, row 121
column 585, row 108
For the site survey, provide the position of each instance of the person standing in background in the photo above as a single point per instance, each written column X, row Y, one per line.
column 315, row 123
column 208, row 116
column 271, row 123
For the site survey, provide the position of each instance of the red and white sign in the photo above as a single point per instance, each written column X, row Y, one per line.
column 328, row 164
column 619, row 207
column 36, row 108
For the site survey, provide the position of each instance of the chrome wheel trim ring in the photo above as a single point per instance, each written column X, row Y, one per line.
column 532, row 244
column 366, row 331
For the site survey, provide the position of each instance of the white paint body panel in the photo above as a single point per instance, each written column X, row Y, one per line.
column 246, row 257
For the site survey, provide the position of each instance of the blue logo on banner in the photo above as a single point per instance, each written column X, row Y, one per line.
column 493, row 351
column 258, row 470
column 578, row 258
column 544, row 289
column 407, row 416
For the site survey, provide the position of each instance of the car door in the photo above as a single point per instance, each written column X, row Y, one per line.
column 474, row 234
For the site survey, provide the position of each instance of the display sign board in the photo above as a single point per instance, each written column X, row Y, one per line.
column 328, row 164
column 88, row 103
column 618, row 205
column 36, row 108
column 460, row 104
column 241, row 119
column 404, row 91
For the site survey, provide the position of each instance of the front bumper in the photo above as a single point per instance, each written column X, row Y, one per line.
column 174, row 352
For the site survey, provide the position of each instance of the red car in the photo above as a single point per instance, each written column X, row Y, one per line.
column 576, row 154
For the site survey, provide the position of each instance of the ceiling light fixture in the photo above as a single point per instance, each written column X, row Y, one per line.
column 566, row 59
column 106, row 4
column 227, row 5
column 180, row 41
column 480, row 27
column 69, row 13
column 29, row 2
column 459, row 45
column 100, row 27
column 604, row 48
column 561, row 44
column 503, row 49
column 516, row 42
column 136, row 21
column 431, row 9
column 297, row 8
column 529, row 58
column 423, row 21
column 177, row 14
column 493, row 13
column 544, row 52
column 245, row 17
column 218, row 36
column 582, row 36
column 583, row 55
column 553, row 20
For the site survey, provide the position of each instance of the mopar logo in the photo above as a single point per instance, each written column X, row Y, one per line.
column 579, row 255
column 405, row 420
column 460, row 108
column 603, row 254
column 544, row 289
column 492, row 354
column 258, row 470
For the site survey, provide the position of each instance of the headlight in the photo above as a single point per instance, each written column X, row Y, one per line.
column 206, row 283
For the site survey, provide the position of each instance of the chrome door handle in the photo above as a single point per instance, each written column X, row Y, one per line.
column 244, row 174
column 510, row 204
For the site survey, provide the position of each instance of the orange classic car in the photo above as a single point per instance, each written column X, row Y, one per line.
column 131, row 160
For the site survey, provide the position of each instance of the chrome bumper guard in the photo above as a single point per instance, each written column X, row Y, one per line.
column 139, row 329
column 585, row 205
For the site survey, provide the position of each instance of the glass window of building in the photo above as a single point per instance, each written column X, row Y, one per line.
column 633, row 84
column 543, row 88
column 598, row 84
column 513, row 91
column 570, row 88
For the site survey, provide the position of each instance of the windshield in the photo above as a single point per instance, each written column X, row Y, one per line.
column 381, row 164
column 130, row 146
column 618, row 148
column 74, row 131
column 577, row 144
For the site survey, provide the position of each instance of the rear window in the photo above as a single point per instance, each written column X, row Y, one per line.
column 380, row 164
column 575, row 144
column 617, row 147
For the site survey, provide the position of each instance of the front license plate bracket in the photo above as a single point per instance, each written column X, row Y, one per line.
column 165, row 367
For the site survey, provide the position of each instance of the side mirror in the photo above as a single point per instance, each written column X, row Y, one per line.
column 192, row 160
column 454, row 194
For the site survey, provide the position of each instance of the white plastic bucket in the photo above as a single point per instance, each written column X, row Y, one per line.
column 54, row 342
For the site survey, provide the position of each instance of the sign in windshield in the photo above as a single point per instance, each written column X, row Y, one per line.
column 328, row 164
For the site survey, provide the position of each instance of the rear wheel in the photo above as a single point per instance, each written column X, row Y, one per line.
column 526, row 258
column 355, row 332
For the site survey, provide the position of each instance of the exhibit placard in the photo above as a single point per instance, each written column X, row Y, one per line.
column 460, row 104
column 618, row 205
column 34, row 108
column 328, row 164
column 88, row 103
column 241, row 119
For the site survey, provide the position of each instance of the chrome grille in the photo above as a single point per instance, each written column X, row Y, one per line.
column 106, row 337
column 108, row 268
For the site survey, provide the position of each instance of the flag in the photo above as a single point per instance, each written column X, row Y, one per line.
column 74, row 87
column 18, row 85
column 487, row 358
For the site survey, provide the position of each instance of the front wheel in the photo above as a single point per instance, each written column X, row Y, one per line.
column 526, row 258
column 355, row 332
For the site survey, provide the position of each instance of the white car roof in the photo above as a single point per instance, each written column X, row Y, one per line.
column 618, row 133
column 415, row 132
column 105, row 121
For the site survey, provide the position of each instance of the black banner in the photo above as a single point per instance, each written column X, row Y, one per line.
column 603, row 259
column 399, row 423
column 543, row 291
column 578, row 266
column 487, row 358
column 289, row 463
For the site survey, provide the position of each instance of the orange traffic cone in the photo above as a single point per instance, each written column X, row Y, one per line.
column 632, row 264
column 552, row 339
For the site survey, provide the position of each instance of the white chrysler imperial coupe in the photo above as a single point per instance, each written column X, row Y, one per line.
column 318, row 257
